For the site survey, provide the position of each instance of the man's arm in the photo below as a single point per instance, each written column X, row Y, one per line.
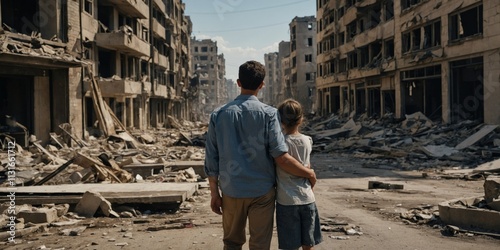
column 292, row 166
column 216, row 200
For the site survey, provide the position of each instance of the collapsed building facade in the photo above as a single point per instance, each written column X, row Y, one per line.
column 440, row 57
column 136, row 50
column 210, row 70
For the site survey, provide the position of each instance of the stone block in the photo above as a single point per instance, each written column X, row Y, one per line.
column 89, row 204
column 107, row 210
column 491, row 188
column 38, row 215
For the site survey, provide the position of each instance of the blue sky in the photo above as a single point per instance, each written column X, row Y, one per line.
column 245, row 30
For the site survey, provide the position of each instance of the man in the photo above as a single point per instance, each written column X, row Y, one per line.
column 244, row 140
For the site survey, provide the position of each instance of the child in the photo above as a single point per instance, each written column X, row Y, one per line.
column 296, row 213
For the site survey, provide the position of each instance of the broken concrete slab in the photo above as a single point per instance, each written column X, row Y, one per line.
column 492, row 166
column 144, row 169
column 198, row 166
column 382, row 185
column 116, row 193
column 38, row 215
column 438, row 151
column 485, row 130
column 462, row 216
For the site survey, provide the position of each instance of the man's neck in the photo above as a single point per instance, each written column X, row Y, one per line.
column 249, row 92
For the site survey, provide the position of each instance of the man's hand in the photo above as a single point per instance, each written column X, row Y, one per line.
column 216, row 201
column 216, row 204
column 313, row 179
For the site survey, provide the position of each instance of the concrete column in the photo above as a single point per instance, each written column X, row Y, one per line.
column 129, row 111
column 491, row 83
column 41, row 108
column 445, row 92
column 399, row 96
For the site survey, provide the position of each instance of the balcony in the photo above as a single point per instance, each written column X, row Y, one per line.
column 161, row 60
column 161, row 6
column 160, row 91
column 117, row 88
column 158, row 29
column 132, row 8
column 124, row 43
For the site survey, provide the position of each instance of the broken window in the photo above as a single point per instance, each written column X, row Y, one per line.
column 351, row 31
column 364, row 53
column 294, row 62
column 349, row 3
column 196, row 49
column 308, row 58
column 342, row 65
column 332, row 41
column 389, row 48
column 308, row 77
column 309, row 26
column 320, row 69
column 466, row 23
column 340, row 12
column 204, row 49
column 203, row 58
column 405, row 4
column 415, row 34
column 309, row 42
column 406, row 42
column 432, row 35
column 341, row 38
column 389, row 9
column 331, row 66
column 353, row 60
column 88, row 6
column 467, row 89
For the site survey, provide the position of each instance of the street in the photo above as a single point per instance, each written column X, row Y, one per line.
column 342, row 196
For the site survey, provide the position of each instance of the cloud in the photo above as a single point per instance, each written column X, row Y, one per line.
column 237, row 55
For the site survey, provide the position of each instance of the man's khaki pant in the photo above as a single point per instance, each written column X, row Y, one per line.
column 260, row 213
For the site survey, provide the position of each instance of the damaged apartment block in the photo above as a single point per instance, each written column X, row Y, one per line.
column 138, row 52
column 438, row 57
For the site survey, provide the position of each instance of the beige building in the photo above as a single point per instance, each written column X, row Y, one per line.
column 303, row 62
column 437, row 57
column 137, row 50
column 210, row 67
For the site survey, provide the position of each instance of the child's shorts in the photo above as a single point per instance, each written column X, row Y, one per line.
column 298, row 225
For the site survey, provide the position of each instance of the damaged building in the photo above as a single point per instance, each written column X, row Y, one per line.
column 271, row 80
column 51, row 50
column 210, row 70
column 439, row 57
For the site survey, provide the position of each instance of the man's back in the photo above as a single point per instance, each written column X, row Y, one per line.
column 244, row 136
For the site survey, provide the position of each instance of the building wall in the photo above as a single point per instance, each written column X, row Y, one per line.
column 209, row 66
column 303, row 71
column 406, row 58
column 271, row 81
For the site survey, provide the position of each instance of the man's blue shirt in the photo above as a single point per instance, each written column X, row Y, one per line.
column 243, row 138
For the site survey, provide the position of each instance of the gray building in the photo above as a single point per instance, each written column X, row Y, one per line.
column 283, row 87
column 303, row 61
column 271, row 81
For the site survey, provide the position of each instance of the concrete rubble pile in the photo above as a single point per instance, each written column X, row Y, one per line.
column 413, row 143
column 106, row 159
column 33, row 46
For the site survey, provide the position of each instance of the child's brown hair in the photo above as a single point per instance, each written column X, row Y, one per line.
column 291, row 113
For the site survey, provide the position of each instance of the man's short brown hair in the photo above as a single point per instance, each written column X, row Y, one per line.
column 251, row 74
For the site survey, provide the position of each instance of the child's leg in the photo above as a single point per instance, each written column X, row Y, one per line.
column 307, row 248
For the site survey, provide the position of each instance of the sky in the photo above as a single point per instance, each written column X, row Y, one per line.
column 245, row 29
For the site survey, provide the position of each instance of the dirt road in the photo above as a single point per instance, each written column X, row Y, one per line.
column 342, row 196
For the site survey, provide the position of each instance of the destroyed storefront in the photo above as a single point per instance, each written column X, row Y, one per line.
column 34, row 86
